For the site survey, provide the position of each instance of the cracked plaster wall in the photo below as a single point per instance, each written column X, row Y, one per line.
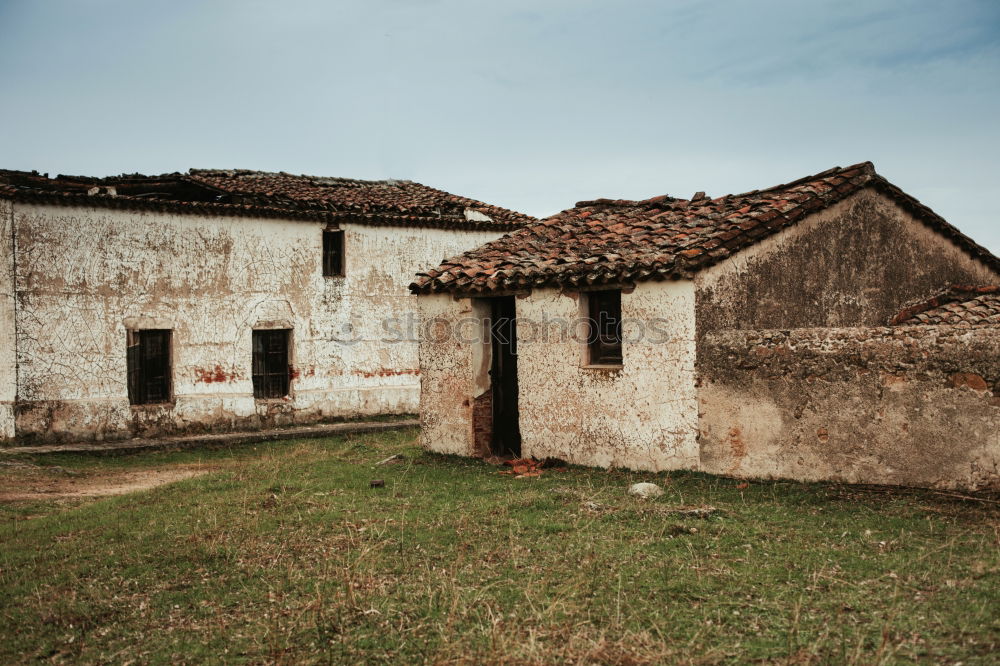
column 8, row 360
column 643, row 416
column 451, row 374
column 86, row 275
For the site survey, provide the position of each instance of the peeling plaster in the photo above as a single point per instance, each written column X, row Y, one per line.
column 641, row 417
column 912, row 407
column 85, row 275
column 8, row 342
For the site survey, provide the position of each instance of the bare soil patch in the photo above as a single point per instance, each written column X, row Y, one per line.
column 25, row 482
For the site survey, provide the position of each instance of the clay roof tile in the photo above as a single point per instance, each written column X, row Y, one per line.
column 683, row 237
column 959, row 305
column 266, row 194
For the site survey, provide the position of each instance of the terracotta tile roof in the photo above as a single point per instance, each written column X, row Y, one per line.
column 619, row 241
column 257, row 193
column 959, row 305
column 361, row 198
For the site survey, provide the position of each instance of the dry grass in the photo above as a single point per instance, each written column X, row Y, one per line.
column 283, row 554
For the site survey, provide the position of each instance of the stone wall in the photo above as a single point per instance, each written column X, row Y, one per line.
column 856, row 263
column 913, row 406
column 86, row 275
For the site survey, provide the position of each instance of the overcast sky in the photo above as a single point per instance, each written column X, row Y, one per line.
column 531, row 105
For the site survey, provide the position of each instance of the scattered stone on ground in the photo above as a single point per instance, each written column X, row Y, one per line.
column 677, row 530
column 698, row 512
column 645, row 490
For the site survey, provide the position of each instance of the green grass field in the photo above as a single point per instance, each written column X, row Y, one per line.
column 281, row 553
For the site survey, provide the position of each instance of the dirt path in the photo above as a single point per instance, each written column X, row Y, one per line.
column 27, row 482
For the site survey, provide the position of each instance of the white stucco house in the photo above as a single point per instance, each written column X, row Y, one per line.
column 744, row 334
column 213, row 300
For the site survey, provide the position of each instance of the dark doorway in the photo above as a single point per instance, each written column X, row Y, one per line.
column 506, row 439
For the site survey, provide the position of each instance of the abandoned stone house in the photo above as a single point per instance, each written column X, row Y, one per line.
column 786, row 333
column 143, row 305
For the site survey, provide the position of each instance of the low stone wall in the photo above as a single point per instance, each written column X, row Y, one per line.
column 915, row 406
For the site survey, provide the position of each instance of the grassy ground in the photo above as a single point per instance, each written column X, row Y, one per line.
column 282, row 553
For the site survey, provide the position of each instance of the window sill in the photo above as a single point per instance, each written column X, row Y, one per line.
column 273, row 401
column 602, row 366
column 153, row 405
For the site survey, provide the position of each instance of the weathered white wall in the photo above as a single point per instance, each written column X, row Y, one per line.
column 643, row 416
column 8, row 359
column 448, row 374
column 85, row 275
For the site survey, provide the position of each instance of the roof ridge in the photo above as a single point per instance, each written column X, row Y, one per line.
column 867, row 167
column 311, row 177
column 627, row 241
column 273, row 194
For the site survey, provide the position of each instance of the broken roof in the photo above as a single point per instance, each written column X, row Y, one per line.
column 959, row 305
column 265, row 194
column 620, row 241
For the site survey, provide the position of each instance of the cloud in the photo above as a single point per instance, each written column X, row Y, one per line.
column 525, row 104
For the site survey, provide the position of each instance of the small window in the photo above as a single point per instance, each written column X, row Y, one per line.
column 606, row 327
column 148, row 361
column 333, row 253
column 270, row 363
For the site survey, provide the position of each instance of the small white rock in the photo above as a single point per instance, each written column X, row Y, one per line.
column 645, row 490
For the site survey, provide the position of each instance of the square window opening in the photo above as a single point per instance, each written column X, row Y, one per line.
column 271, row 373
column 333, row 253
column 605, row 338
column 148, row 363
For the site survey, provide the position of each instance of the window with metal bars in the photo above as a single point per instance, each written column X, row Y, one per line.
column 606, row 327
column 270, row 363
column 148, row 361
column 333, row 253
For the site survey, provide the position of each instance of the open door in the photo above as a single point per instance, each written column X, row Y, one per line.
column 506, row 437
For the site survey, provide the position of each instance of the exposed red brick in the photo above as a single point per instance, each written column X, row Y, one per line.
column 482, row 423
column 969, row 379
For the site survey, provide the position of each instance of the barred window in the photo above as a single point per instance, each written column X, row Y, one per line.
column 270, row 372
column 148, row 362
